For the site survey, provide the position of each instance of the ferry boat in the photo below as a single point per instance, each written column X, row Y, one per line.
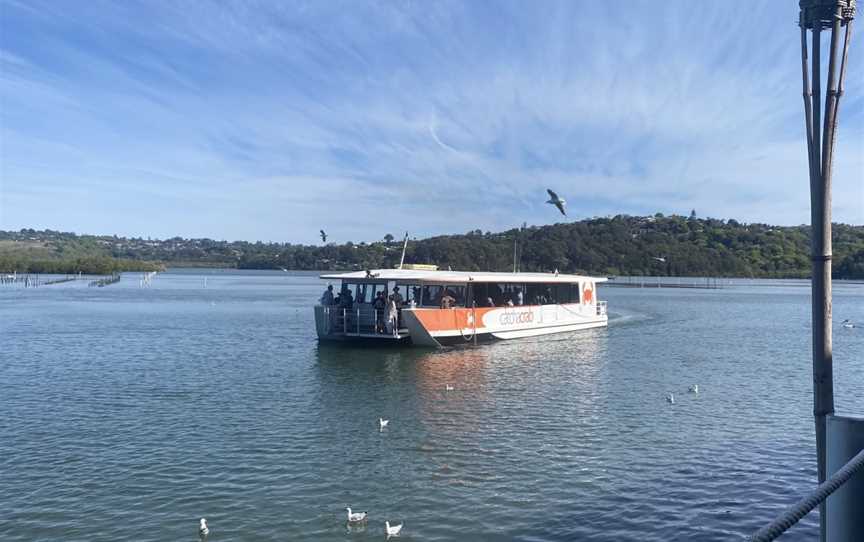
column 445, row 308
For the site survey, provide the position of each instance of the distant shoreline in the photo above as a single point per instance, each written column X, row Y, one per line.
column 672, row 246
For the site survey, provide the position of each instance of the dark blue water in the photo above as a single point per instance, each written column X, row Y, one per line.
column 129, row 413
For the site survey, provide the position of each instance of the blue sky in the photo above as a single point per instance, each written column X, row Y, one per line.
column 268, row 121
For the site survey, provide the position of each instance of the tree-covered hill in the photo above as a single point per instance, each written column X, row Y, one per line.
column 621, row 245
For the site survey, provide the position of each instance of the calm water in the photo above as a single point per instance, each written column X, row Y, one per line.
column 129, row 413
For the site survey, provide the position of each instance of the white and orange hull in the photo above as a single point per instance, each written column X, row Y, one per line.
column 444, row 327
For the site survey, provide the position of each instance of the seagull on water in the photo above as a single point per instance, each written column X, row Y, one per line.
column 694, row 388
column 670, row 399
column 382, row 423
column 323, row 236
column 556, row 201
column 392, row 530
column 202, row 528
column 354, row 517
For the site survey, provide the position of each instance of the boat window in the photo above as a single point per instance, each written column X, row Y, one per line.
column 363, row 292
column 506, row 293
column 432, row 294
column 412, row 294
column 562, row 293
column 544, row 294
column 378, row 288
column 574, row 292
column 457, row 293
column 480, row 294
column 349, row 287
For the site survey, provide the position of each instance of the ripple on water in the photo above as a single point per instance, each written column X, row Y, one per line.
column 157, row 407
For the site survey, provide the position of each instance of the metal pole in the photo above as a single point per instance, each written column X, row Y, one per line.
column 816, row 14
column 823, row 393
column 808, row 103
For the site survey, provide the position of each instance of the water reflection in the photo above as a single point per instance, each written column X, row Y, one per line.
column 503, row 394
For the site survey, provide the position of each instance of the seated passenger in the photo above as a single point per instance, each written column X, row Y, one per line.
column 489, row 302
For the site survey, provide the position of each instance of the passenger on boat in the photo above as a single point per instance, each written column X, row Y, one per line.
column 392, row 317
column 398, row 300
column 380, row 306
column 347, row 300
column 327, row 296
column 520, row 298
column 447, row 300
column 397, row 297
column 489, row 302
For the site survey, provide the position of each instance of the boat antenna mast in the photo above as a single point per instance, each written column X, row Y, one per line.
column 404, row 248
column 517, row 248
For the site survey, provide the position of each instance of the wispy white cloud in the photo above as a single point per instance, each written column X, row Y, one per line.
column 268, row 120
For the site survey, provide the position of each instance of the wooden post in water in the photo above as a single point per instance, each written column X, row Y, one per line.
column 817, row 15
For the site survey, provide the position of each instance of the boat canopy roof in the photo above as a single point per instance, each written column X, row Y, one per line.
column 456, row 277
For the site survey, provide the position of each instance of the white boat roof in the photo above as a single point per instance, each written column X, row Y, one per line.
column 457, row 277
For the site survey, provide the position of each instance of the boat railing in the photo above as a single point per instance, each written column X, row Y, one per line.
column 601, row 308
column 358, row 320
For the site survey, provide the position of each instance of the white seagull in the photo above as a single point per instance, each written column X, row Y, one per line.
column 392, row 530
column 448, row 387
column 660, row 259
column 694, row 388
column 847, row 324
column 202, row 528
column 354, row 517
column 556, row 201
column 670, row 399
column 382, row 423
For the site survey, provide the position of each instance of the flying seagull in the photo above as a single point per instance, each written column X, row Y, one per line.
column 382, row 423
column 694, row 388
column 670, row 399
column 556, row 201
column 354, row 517
column 392, row 530
column 202, row 528
column 323, row 236
column 847, row 323
column 659, row 259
